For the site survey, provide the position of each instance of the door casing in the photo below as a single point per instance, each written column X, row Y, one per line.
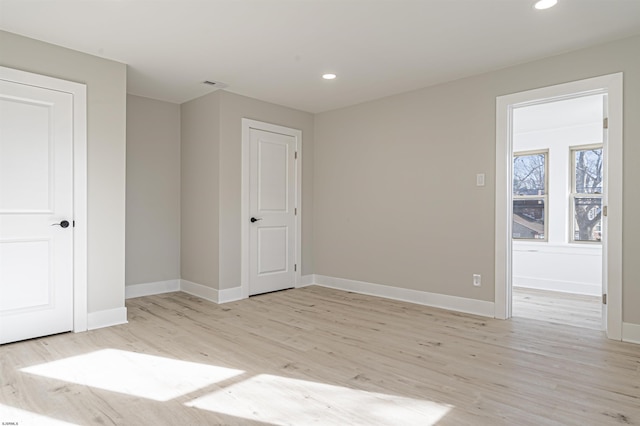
column 79, row 93
column 612, row 244
column 247, row 125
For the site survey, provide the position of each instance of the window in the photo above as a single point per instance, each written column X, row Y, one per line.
column 586, row 194
column 530, row 195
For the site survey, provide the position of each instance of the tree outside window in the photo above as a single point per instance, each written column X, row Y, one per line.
column 529, row 195
column 586, row 193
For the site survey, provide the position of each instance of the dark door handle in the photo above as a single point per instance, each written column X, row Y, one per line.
column 253, row 219
column 63, row 224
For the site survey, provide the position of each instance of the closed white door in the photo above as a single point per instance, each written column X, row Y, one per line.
column 272, row 211
column 36, row 211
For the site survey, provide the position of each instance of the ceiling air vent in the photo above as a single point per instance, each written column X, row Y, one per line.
column 216, row 84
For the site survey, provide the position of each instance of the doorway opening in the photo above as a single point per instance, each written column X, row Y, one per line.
column 557, row 189
column 559, row 220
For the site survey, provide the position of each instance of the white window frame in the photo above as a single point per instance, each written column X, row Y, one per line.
column 544, row 198
column 573, row 194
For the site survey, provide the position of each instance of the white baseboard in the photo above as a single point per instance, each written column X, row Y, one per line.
column 229, row 295
column 211, row 294
column 149, row 289
column 630, row 332
column 556, row 285
column 202, row 291
column 195, row 289
column 107, row 318
column 306, row 280
column 452, row 303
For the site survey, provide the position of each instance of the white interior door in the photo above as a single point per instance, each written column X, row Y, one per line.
column 36, row 211
column 272, row 211
column 605, row 201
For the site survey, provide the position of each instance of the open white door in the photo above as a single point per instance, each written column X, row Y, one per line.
column 604, row 219
column 272, row 211
column 36, row 211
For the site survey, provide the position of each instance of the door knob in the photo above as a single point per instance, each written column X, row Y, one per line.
column 253, row 219
column 63, row 224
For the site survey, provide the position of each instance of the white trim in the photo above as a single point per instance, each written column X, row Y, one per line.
column 229, row 295
column 247, row 125
column 442, row 301
column 503, row 249
column 202, row 291
column 79, row 93
column 631, row 332
column 306, row 280
column 107, row 318
column 195, row 289
column 612, row 247
column 149, row 289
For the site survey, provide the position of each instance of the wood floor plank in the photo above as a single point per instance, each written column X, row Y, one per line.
column 557, row 307
column 321, row 356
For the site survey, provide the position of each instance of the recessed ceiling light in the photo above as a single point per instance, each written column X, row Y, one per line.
column 545, row 4
column 329, row 76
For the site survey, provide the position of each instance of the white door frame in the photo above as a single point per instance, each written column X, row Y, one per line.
column 247, row 125
column 79, row 93
column 612, row 246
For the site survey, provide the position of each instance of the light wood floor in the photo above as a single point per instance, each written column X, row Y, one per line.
column 559, row 308
column 319, row 356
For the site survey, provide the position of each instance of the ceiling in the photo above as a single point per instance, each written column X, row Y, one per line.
column 575, row 112
column 277, row 50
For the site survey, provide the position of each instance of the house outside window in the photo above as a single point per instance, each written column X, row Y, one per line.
column 586, row 194
column 530, row 195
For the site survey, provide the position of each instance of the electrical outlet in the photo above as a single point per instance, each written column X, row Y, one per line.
column 477, row 280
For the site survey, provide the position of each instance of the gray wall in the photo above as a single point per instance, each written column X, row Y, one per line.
column 153, row 191
column 211, row 183
column 199, row 163
column 394, row 179
column 106, row 115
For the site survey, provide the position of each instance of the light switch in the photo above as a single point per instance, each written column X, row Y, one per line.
column 480, row 179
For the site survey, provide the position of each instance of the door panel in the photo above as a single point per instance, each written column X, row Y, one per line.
column 272, row 204
column 26, row 162
column 28, row 263
column 272, row 249
column 272, row 180
column 36, row 193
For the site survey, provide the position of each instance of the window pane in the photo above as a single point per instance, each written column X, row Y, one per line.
column 528, row 174
column 588, row 173
column 587, row 224
column 528, row 219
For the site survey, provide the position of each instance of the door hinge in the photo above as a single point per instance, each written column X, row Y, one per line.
column 295, row 267
column 605, row 123
column 605, row 211
column 295, row 156
column 604, row 299
column 295, row 211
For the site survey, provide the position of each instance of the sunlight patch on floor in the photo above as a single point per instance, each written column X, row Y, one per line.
column 278, row 400
column 131, row 373
column 15, row 416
